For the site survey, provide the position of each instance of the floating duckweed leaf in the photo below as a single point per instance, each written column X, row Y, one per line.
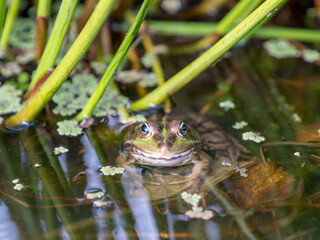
column 240, row 125
column 100, row 203
column 297, row 154
column 25, row 58
column 10, row 69
column 95, row 195
column 109, row 170
column 137, row 118
column 280, row 48
column 10, row 99
column 147, row 60
column 98, row 67
column 59, row 150
column 192, row 199
column 171, row 6
column 18, row 187
column 64, row 110
column 251, row 136
column 310, row 55
column 226, row 105
column 130, row 76
column 296, row 117
column 23, row 33
column 110, row 102
column 148, row 80
column 84, row 84
column 1, row 120
column 36, row 165
column 15, row 181
column 198, row 212
column 69, row 128
column 73, row 96
column 242, row 171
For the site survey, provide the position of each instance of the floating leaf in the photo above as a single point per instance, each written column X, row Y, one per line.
column 64, row 110
column 297, row 154
column 10, row 99
column 130, row 76
column 18, row 187
column 10, row 69
column 280, row 48
column 109, row 170
column 36, row 165
column 192, row 199
column 198, row 212
column 95, row 195
column 15, row 181
column 239, row 125
column 23, row 34
column 242, row 171
column 171, row 6
column 98, row 67
column 100, row 203
column 59, row 150
column 227, row 105
column 251, row 136
column 148, row 80
column 137, row 118
column 310, row 55
column 147, row 60
column 69, row 128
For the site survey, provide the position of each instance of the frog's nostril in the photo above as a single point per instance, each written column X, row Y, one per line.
column 126, row 145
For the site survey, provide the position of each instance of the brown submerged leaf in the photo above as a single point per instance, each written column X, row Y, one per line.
column 263, row 185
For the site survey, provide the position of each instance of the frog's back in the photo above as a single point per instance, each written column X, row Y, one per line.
column 225, row 147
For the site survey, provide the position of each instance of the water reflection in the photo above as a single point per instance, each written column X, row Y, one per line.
column 8, row 228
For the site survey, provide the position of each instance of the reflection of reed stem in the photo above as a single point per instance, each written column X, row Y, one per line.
column 236, row 213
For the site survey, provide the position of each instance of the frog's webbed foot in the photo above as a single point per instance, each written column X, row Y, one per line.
column 200, row 169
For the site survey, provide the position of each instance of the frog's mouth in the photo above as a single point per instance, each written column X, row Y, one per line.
column 162, row 159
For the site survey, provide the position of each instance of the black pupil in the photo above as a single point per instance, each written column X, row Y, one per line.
column 144, row 128
column 184, row 127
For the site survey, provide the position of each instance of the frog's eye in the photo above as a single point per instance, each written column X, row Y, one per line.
column 145, row 130
column 182, row 129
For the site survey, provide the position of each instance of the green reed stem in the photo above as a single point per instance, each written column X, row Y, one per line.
column 239, row 11
column 2, row 13
column 43, row 14
column 11, row 16
column 35, row 104
column 56, row 39
column 43, row 9
column 117, row 59
column 199, row 29
column 183, row 77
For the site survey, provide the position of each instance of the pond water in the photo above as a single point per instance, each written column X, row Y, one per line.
column 279, row 198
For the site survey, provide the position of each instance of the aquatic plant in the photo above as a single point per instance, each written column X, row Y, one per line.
column 110, row 170
column 69, row 128
column 36, row 103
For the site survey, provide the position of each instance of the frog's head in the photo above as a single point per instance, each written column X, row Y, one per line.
column 156, row 143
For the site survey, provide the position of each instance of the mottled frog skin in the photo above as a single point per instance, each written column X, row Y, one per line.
column 179, row 140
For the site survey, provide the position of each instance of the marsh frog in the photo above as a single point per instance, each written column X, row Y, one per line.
column 174, row 142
